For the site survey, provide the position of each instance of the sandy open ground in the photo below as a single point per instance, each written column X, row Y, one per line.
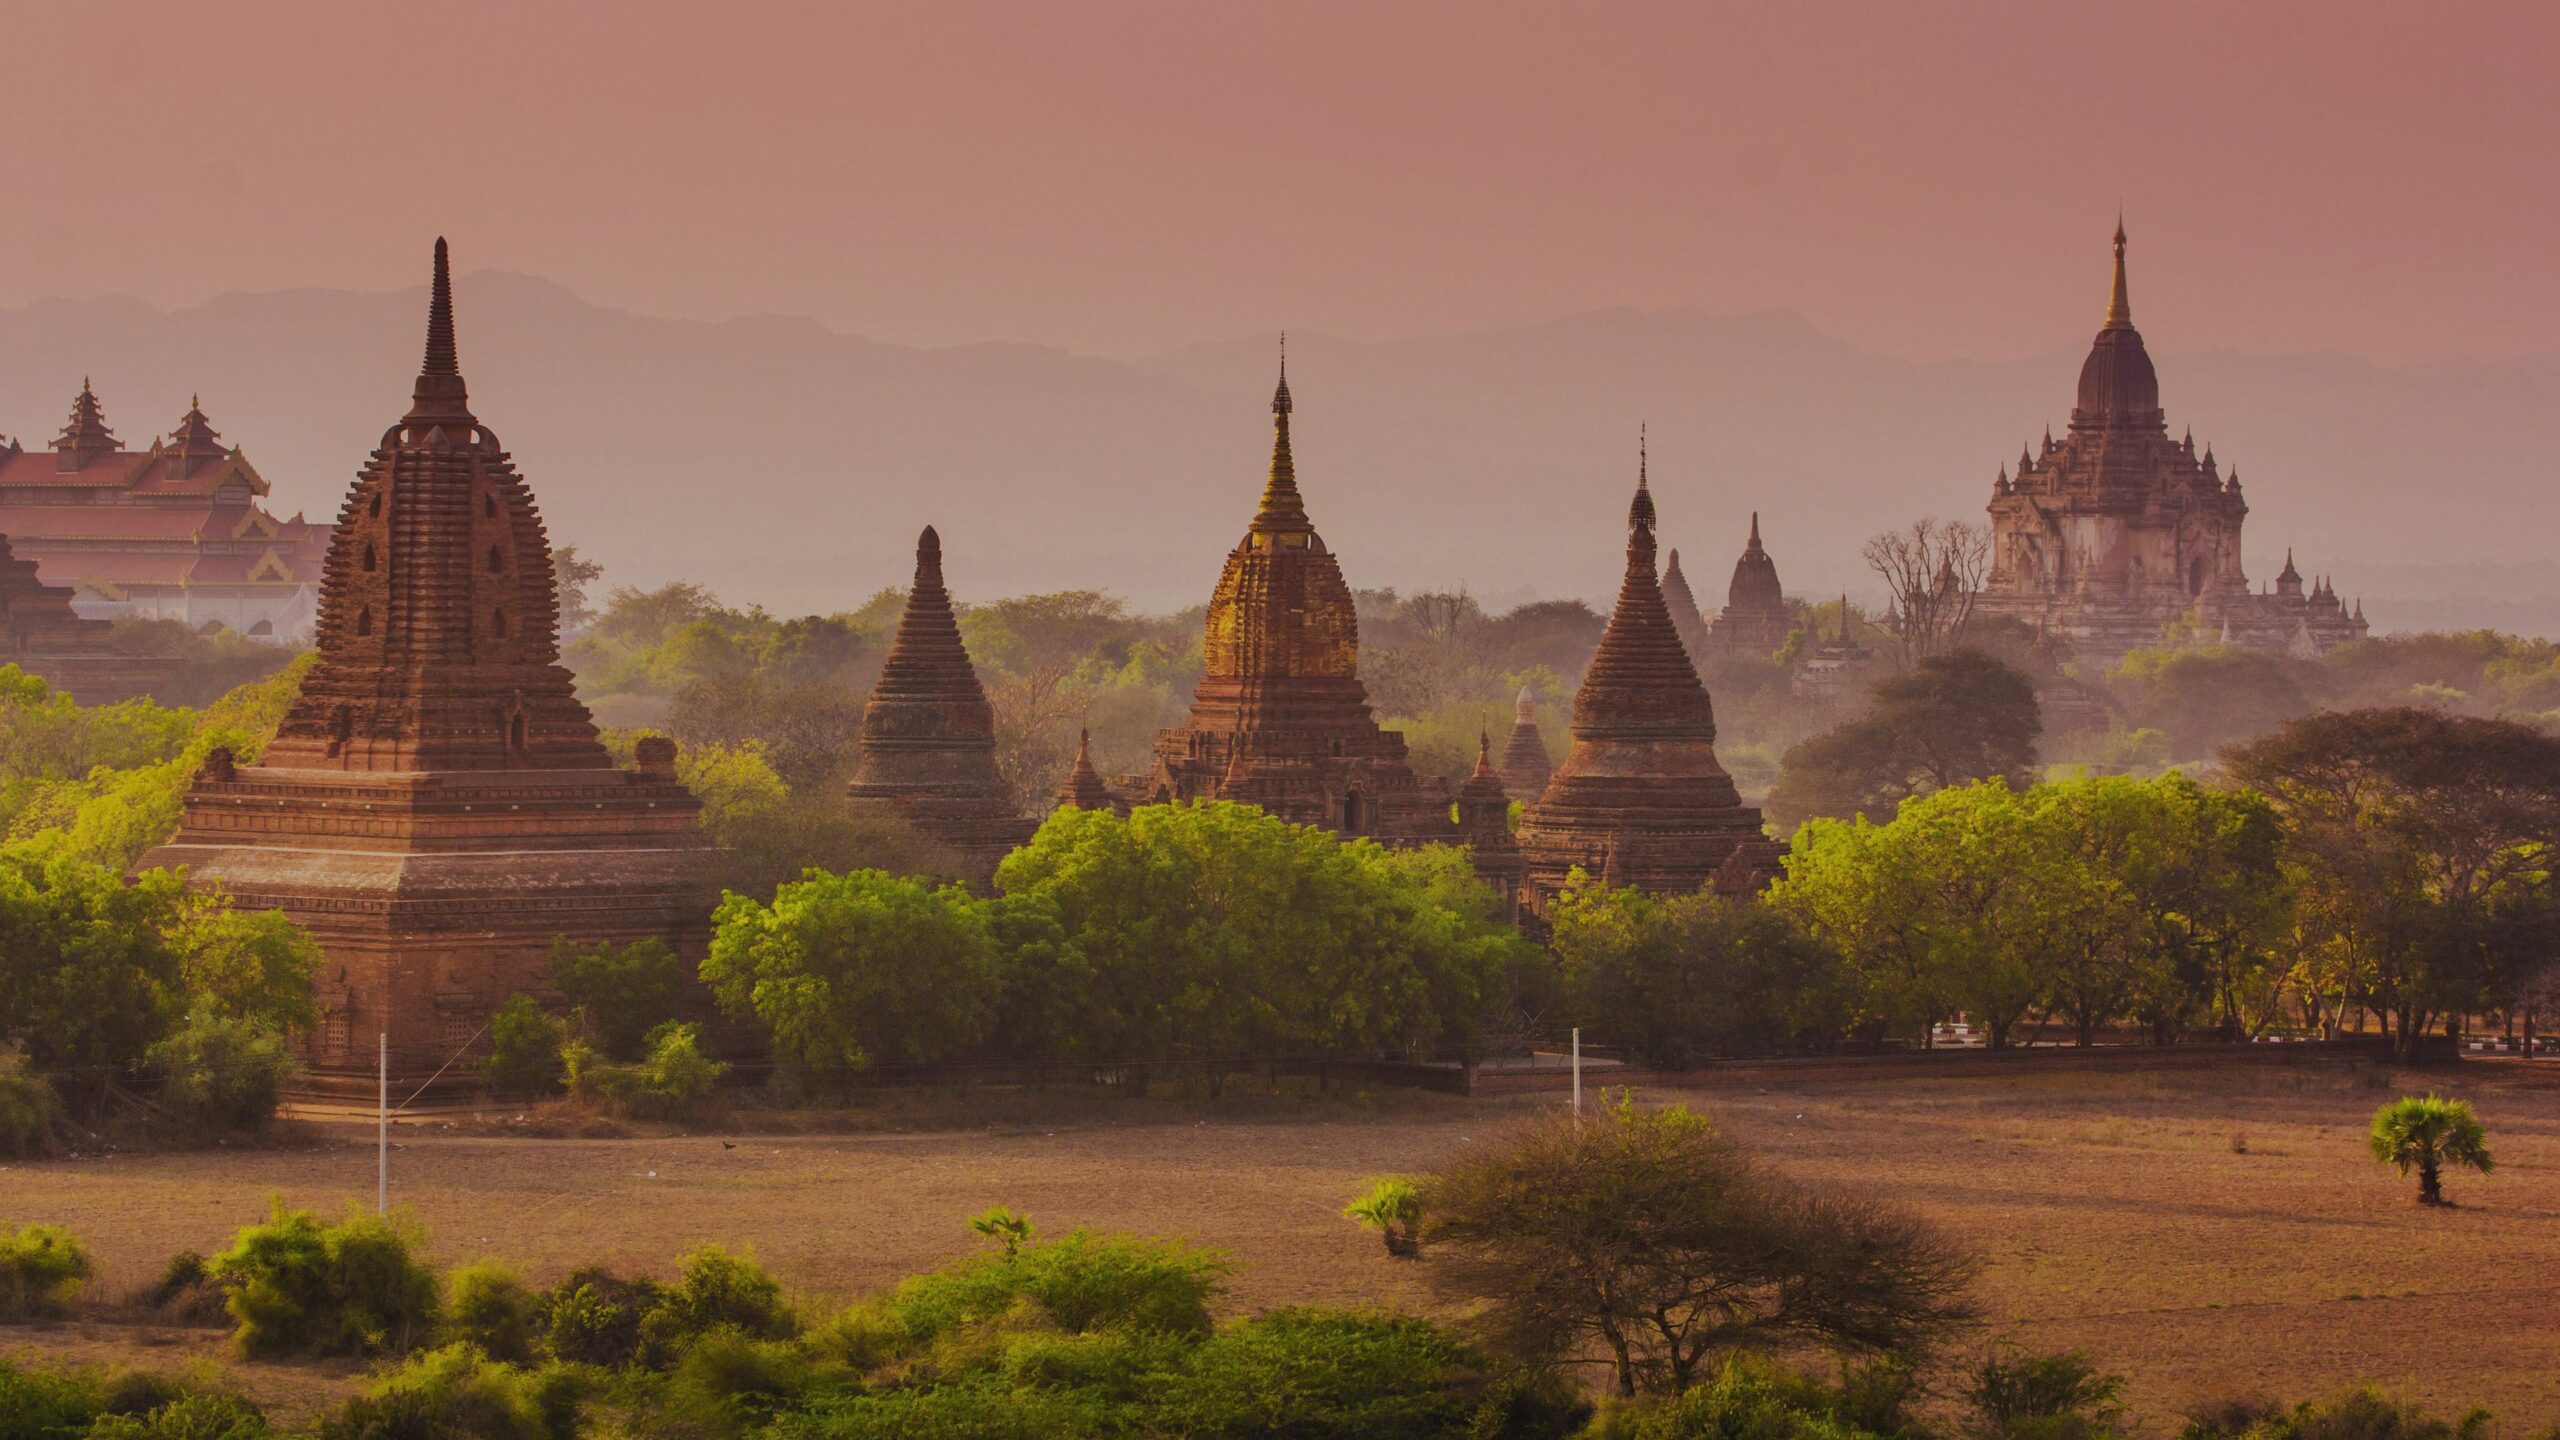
column 2206, row 1233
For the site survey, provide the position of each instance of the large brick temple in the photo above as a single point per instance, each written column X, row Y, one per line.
column 1641, row 800
column 1755, row 620
column 928, row 736
column 436, row 806
column 2108, row 537
column 1280, row 718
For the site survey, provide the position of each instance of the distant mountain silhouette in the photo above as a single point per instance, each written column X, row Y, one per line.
column 784, row 463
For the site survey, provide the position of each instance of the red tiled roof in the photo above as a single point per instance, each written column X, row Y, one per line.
column 35, row 467
column 137, row 470
column 121, row 522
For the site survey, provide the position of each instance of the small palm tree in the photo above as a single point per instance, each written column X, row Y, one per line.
column 1005, row 1228
column 1392, row 1207
column 2425, row 1134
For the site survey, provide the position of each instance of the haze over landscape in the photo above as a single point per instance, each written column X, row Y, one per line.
column 1025, row 280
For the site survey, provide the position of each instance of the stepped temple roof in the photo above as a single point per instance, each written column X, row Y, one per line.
column 436, row 808
column 929, row 736
column 1280, row 718
column 1642, row 793
column 1525, row 766
column 1083, row 788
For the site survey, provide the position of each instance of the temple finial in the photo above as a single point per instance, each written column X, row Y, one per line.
column 1755, row 529
column 440, row 396
column 1280, row 397
column 1640, row 513
column 1282, row 507
column 928, row 557
column 2119, row 308
column 441, row 359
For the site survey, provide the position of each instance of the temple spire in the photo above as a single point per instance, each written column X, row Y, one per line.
column 86, row 434
column 2119, row 308
column 1283, row 509
column 440, row 394
column 1640, row 517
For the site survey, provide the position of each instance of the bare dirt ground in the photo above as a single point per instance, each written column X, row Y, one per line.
column 2206, row 1233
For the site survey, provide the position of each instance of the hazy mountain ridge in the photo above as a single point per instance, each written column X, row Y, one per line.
column 783, row 462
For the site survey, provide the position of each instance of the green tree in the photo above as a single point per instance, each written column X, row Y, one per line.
column 1680, row 979
column 2422, row 844
column 1950, row 720
column 220, row 1072
column 620, row 991
column 1653, row 1237
column 2426, row 1134
column 298, row 1286
column 87, row 978
column 846, row 970
column 1392, row 1206
column 525, row 1041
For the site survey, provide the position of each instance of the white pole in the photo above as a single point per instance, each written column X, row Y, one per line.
column 1577, row 1074
column 382, row 1132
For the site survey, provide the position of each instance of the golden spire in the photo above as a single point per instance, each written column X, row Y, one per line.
column 1282, row 508
column 2119, row 309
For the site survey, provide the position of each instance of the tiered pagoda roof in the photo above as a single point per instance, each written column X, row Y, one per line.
column 1642, row 780
column 929, row 736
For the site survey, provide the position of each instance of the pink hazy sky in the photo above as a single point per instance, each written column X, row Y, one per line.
column 1932, row 181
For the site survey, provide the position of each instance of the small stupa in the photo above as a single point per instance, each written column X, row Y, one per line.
column 1525, row 765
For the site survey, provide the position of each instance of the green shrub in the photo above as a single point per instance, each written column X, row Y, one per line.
column 1382, row 1377
column 1392, row 1206
column 457, row 1393
column 728, row 1382
column 593, row 1317
column 1081, row 1282
column 488, row 1306
column 297, row 1286
column 2360, row 1413
column 41, row 1268
column 670, row 1084
column 525, row 1043
column 621, row 992
column 2060, row 1396
column 218, row 1073
column 714, row 1290
column 1747, row 1399
column 38, row 1403
column 27, row 1109
column 185, row 1417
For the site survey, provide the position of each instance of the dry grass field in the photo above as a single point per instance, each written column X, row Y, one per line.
column 2207, row 1233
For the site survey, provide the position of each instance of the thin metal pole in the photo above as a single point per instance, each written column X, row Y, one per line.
column 1577, row 1074
column 382, row 1132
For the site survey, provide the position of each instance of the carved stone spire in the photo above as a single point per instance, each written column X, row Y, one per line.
column 2119, row 304
column 440, row 398
column 928, row 734
column 1284, row 511
column 1525, row 766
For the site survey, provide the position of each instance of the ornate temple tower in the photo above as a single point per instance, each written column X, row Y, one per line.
column 1525, row 766
column 436, row 807
column 1754, row 622
column 1484, row 823
column 928, row 736
column 2105, row 538
column 1642, row 797
column 1280, row 718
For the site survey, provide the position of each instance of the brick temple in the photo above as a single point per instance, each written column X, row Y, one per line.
column 436, row 806
column 929, row 737
column 1641, row 800
column 174, row 531
column 2108, row 537
column 1755, row 620
column 41, row 634
column 1280, row 718
column 1525, row 766
column 1687, row 620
